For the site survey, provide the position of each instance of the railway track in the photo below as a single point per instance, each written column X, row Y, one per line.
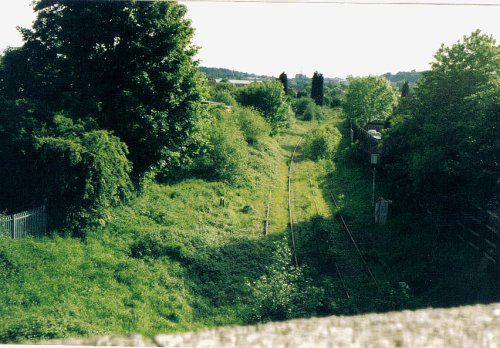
column 354, row 273
column 290, row 211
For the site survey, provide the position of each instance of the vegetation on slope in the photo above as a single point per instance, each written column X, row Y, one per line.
column 171, row 260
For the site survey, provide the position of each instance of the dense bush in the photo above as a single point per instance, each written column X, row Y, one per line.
column 81, row 174
column 252, row 124
column 225, row 152
column 269, row 99
column 306, row 109
column 322, row 143
column 224, row 97
column 300, row 105
column 312, row 112
column 316, row 244
column 284, row 292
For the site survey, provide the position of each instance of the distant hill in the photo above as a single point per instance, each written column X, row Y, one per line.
column 221, row 73
column 410, row 76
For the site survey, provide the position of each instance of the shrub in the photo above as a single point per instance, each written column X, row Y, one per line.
column 225, row 153
column 316, row 244
column 224, row 97
column 300, row 105
column 251, row 124
column 82, row 174
column 312, row 112
column 284, row 292
column 321, row 143
column 269, row 98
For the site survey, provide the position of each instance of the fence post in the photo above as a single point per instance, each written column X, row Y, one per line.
column 12, row 226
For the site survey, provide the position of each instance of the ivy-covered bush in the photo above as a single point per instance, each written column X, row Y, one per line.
column 82, row 173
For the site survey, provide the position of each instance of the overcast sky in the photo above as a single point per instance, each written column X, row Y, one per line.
column 334, row 39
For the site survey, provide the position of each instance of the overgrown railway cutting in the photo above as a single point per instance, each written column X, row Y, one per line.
column 355, row 275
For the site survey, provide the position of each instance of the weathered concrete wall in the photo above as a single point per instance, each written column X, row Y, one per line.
column 470, row 326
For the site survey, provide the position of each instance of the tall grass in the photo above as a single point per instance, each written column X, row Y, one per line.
column 173, row 259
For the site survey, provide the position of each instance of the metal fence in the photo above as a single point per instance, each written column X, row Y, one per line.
column 28, row 223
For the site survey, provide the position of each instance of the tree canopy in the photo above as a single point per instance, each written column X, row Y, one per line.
column 317, row 88
column 97, row 87
column 448, row 148
column 369, row 98
column 127, row 66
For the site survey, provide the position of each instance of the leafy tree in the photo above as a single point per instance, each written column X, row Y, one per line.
column 126, row 65
column 369, row 98
column 284, row 81
column 448, row 150
column 317, row 88
column 269, row 99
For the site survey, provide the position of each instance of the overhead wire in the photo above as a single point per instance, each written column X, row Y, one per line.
column 334, row 2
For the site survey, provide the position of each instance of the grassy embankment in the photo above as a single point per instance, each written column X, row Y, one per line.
column 170, row 260
column 174, row 260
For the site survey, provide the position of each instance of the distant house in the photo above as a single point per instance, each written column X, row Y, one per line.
column 238, row 83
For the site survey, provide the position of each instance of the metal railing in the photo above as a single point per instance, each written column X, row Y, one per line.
column 28, row 223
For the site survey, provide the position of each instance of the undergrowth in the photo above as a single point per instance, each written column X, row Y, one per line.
column 171, row 260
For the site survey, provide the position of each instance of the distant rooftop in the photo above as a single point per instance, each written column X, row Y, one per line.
column 239, row 82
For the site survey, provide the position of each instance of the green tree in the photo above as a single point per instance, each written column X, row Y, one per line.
column 405, row 90
column 269, row 99
column 284, row 81
column 126, row 65
column 369, row 98
column 317, row 88
column 448, row 149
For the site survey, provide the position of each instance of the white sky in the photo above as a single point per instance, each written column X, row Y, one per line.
column 336, row 40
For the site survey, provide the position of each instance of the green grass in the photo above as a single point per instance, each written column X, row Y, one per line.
column 170, row 260
column 173, row 260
